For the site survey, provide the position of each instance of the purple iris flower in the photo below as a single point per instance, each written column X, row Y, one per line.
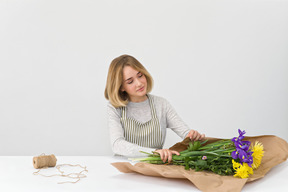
column 235, row 154
column 249, row 153
column 246, row 142
column 242, row 149
column 240, row 137
column 249, row 159
column 242, row 155
column 235, row 139
column 244, row 145
column 241, row 134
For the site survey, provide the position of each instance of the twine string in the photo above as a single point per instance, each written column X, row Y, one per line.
column 77, row 176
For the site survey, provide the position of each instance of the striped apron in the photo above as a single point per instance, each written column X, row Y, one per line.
column 143, row 134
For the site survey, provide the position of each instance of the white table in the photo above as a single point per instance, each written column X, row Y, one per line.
column 16, row 174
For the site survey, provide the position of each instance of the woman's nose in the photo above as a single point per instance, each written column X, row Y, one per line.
column 138, row 82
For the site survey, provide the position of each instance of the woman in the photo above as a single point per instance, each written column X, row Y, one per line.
column 138, row 120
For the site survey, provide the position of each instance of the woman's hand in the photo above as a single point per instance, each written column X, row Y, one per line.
column 166, row 154
column 195, row 135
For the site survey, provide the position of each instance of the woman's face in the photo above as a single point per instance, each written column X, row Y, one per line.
column 134, row 83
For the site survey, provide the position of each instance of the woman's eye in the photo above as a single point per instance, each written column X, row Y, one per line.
column 140, row 75
column 130, row 82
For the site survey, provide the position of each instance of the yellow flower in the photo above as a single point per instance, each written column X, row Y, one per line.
column 236, row 165
column 257, row 155
column 243, row 171
column 249, row 169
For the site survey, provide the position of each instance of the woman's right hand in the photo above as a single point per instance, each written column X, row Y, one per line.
column 166, row 154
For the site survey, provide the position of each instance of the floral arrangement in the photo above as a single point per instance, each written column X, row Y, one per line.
column 224, row 157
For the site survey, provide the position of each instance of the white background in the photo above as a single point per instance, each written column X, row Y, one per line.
column 222, row 65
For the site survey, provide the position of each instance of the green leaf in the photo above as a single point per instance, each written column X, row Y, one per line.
column 201, row 163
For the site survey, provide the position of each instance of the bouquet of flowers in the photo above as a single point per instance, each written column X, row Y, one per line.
column 225, row 157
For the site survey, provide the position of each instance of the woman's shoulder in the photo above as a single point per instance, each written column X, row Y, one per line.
column 158, row 99
column 112, row 109
column 110, row 106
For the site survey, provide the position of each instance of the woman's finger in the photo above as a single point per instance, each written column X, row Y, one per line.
column 166, row 155
column 169, row 156
column 195, row 134
column 191, row 134
column 159, row 153
column 202, row 136
column 198, row 137
column 163, row 155
column 175, row 152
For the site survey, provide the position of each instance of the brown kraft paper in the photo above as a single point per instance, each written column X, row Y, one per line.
column 275, row 152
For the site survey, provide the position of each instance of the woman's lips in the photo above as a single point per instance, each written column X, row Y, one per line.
column 141, row 89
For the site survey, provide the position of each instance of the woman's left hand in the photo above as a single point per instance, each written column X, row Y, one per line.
column 195, row 135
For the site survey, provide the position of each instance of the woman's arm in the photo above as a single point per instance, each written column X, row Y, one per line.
column 174, row 122
column 119, row 145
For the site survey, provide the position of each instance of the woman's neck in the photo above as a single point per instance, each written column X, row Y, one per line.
column 138, row 99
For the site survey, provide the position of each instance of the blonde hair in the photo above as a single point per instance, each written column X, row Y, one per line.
column 115, row 78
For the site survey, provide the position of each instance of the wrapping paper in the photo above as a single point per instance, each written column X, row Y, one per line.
column 275, row 152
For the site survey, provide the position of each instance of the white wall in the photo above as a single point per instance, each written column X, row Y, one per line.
column 222, row 65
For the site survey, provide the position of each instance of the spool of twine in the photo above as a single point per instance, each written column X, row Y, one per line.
column 44, row 161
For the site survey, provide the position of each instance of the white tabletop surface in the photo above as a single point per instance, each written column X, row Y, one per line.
column 16, row 174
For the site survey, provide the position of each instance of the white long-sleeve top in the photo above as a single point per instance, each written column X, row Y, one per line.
column 141, row 112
